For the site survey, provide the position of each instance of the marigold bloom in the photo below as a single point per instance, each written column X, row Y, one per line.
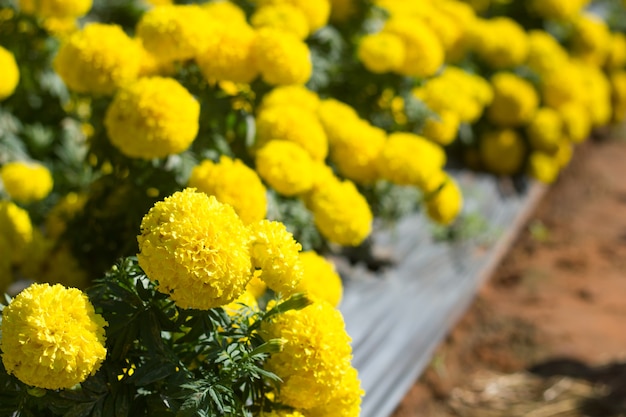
column 232, row 182
column 98, row 59
column 230, row 56
column 51, row 337
column 545, row 53
column 500, row 42
column 320, row 280
column 246, row 299
column 618, row 88
column 576, row 121
column 347, row 399
column 225, row 11
column 196, row 248
column 276, row 253
column 340, row 212
column 293, row 124
column 442, row 129
column 16, row 227
column 545, row 130
column 342, row 10
column 562, row 86
column 281, row 413
column 409, row 159
column 152, row 118
column 382, row 52
column 315, row 358
column 591, row 40
column 26, row 182
column 291, row 95
column 286, row 167
column 283, row 16
column 515, row 100
column 316, row 12
column 543, row 167
column 502, row 151
column 55, row 8
column 281, row 57
column 446, row 203
column 176, row 32
column 557, row 9
column 424, row 53
column 9, row 74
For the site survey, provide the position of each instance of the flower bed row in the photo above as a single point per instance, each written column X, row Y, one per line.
column 170, row 160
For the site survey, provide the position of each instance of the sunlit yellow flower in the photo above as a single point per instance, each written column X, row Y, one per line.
column 294, row 124
column 515, row 100
column 225, row 11
column 232, row 182
column 283, row 16
column 276, row 253
column 282, row 58
column 152, row 118
column 9, row 73
column 98, row 59
column 316, row 12
column 176, row 32
column 591, row 40
column 55, row 8
column 347, row 399
column 342, row 10
column 500, row 42
column 291, row 95
column 245, row 300
column 545, row 54
column 320, row 280
column 424, row 53
column 382, row 52
column 316, row 355
column 502, row 151
column 230, row 55
column 617, row 52
column 557, row 9
column 341, row 213
column 285, row 166
column 442, row 128
column 543, row 167
column 545, row 130
column 196, row 248
column 26, row 182
column 51, row 337
column 445, row 204
column 576, row 121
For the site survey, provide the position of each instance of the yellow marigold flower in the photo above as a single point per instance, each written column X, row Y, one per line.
column 9, row 74
column 515, row 100
column 545, row 130
column 502, row 151
column 320, row 280
column 282, row 58
column 230, row 56
column 543, row 167
column 256, row 286
column 293, row 124
column 293, row 96
column 557, row 9
column 225, row 11
column 341, row 214
column 282, row 16
column 381, row 52
column 98, row 59
column 26, row 182
column 617, row 53
column 545, row 54
column 564, row 154
column 563, row 86
column 424, row 54
column 342, row 10
column 176, row 32
column 16, row 227
column 234, row 183
column 51, row 337
column 56, row 8
column 286, row 167
column 277, row 254
column 315, row 358
column 356, row 149
column 591, row 40
column 281, row 413
column 442, row 129
column 152, row 118
column 500, row 42
column 335, row 115
column 347, row 399
column 446, row 203
column 409, row 159
column 576, row 121
column 196, row 248
column 618, row 88
column 316, row 12
column 158, row 2
column 598, row 97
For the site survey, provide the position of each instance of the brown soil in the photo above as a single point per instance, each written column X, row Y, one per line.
column 546, row 336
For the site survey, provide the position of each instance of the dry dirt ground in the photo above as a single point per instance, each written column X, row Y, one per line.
column 546, row 335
